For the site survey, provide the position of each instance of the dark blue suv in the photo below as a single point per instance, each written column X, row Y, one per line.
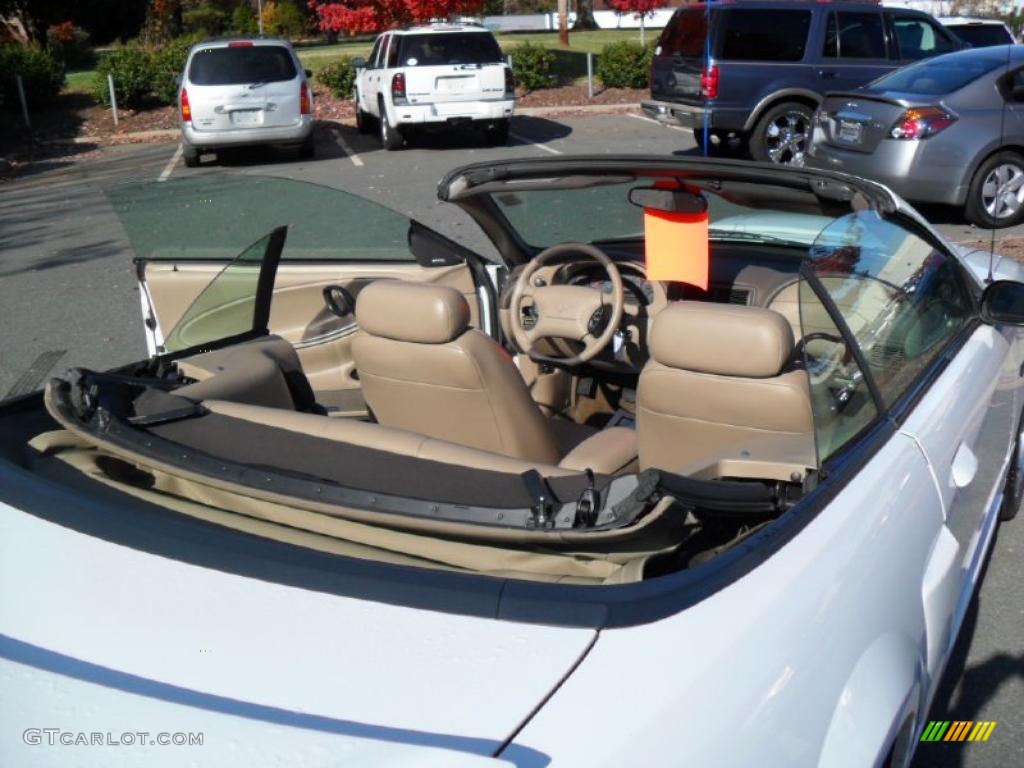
column 751, row 73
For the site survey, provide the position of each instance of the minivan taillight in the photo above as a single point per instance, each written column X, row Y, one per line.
column 186, row 110
column 304, row 99
column 510, row 82
column 921, row 122
column 398, row 88
column 709, row 81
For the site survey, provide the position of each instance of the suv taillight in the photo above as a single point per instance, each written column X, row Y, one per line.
column 709, row 81
column 186, row 110
column 510, row 82
column 398, row 88
column 304, row 99
column 921, row 122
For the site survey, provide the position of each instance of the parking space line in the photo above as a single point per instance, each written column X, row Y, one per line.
column 652, row 120
column 532, row 143
column 165, row 174
column 340, row 141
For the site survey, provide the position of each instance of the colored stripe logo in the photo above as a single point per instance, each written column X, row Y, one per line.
column 958, row 730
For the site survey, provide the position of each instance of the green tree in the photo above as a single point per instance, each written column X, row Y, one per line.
column 243, row 20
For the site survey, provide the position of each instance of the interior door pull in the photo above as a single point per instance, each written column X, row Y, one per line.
column 965, row 466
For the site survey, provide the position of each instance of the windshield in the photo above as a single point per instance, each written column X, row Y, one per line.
column 945, row 74
column 449, row 48
column 983, row 35
column 602, row 212
column 237, row 65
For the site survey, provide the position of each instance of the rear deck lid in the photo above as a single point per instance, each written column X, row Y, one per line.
column 451, row 66
column 242, row 86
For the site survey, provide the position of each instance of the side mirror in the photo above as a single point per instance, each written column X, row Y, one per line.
column 359, row 63
column 1003, row 302
column 309, row 73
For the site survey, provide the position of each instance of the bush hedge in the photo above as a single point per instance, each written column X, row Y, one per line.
column 42, row 75
column 624, row 65
column 339, row 77
column 533, row 65
column 169, row 62
column 133, row 71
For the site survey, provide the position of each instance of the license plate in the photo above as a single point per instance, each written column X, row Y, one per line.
column 850, row 132
column 246, row 117
column 453, row 84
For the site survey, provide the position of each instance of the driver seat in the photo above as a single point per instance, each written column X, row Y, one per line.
column 424, row 370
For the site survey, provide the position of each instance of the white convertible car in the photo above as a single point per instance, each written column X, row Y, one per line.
column 376, row 499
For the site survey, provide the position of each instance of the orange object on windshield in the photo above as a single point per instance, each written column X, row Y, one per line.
column 676, row 247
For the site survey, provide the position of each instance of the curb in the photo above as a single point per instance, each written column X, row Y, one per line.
column 524, row 111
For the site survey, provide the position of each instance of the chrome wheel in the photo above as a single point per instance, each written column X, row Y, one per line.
column 1002, row 192
column 785, row 138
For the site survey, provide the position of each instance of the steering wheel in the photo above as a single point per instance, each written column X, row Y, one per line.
column 572, row 312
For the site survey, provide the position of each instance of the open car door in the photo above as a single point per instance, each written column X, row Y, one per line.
column 185, row 232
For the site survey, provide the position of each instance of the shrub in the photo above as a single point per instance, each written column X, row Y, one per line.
column 205, row 19
column 70, row 44
column 42, row 75
column 532, row 66
column 339, row 77
column 168, row 63
column 243, row 20
column 132, row 67
column 624, row 65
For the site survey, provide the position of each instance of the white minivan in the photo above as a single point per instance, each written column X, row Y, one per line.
column 434, row 76
column 244, row 92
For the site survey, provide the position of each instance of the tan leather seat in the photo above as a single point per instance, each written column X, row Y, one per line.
column 718, row 386
column 424, row 370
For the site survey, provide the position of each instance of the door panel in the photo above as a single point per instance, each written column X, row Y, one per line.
column 298, row 312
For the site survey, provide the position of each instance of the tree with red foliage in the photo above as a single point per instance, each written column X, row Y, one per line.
column 642, row 8
column 354, row 16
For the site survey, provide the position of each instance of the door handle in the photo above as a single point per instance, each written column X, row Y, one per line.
column 965, row 466
column 828, row 75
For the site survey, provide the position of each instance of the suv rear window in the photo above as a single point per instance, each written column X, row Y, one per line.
column 449, row 48
column 686, row 35
column 241, row 64
column 756, row 35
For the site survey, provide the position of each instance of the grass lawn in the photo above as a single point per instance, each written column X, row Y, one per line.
column 79, row 82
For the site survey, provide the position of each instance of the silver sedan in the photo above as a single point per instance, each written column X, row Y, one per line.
column 945, row 130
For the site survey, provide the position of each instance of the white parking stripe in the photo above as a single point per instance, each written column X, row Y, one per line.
column 652, row 120
column 532, row 143
column 340, row 140
column 165, row 174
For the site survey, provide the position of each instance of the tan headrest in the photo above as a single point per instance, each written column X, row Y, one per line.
column 722, row 339
column 407, row 311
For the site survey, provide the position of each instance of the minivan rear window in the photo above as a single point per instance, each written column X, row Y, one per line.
column 757, row 35
column 983, row 35
column 241, row 64
column 939, row 76
column 449, row 48
column 686, row 34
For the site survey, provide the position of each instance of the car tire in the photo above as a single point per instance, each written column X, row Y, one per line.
column 992, row 200
column 390, row 138
column 1013, row 492
column 782, row 134
column 497, row 133
column 190, row 155
column 307, row 149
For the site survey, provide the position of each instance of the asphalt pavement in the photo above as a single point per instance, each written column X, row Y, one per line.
column 68, row 297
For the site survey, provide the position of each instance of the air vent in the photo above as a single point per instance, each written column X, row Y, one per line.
column 728, row 295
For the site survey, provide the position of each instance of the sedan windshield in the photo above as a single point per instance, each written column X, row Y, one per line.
column 945, row 74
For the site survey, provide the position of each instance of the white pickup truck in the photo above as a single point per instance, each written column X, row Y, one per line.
column 434, row 76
